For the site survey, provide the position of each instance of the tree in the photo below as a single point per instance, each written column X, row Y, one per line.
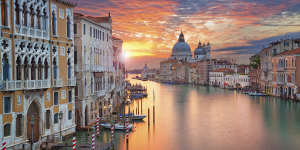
column 255, row 61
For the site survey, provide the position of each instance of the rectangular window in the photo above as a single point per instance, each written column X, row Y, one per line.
column 7, row 105
column 70, row 96
column 19, row 125
column 55, row 121
column 83, row 29
column 75, row 56
column 91, row 32
column 107, row 37
column 70, row 114
column 75, row 28
column 100, row 35
column 48, row 113
column 55, row 98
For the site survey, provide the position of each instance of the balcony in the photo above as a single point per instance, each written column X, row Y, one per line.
column 100, row 93
column 24, row 85
column 86, row 67
column 97, row 68
column 57, row 83
column 72, row 81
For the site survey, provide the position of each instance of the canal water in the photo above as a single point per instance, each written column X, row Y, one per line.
column 195, row 117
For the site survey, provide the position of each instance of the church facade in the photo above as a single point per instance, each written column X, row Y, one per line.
column 184, row 67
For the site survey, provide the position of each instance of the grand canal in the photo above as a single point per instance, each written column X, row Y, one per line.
column 194, row 117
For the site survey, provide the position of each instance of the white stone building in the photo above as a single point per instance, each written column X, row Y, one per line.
column 94, row 68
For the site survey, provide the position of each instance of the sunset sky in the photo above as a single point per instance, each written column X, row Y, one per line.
column 235, row 28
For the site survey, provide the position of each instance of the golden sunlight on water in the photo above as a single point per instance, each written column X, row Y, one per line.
column 195, row 117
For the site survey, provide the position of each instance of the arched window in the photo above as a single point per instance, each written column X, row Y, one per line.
column 46, row 66
column 69, row 69
column 53, row 23
column 68, row 27
column 26, row 69
column 45, row 20
column 55, row 69
column 33, row 72
column 24, row 17
column 39, row 69
column 4, row 13
column 5, row 67
column 18, row 69
column 17, row 13
column 38, row 17
column 7, row 129
column 32, row 16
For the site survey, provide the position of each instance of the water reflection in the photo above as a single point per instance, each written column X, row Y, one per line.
column 195, row 117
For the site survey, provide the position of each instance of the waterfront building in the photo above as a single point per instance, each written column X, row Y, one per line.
column 37, row 72
column 217, row 77
column 94, row 68
column 266, row 54
column 285, row 74
column 119, row 72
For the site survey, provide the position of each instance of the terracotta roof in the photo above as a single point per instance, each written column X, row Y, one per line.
column 290, row 52
column 99, row 19
column 95, row 19
column 225, row 70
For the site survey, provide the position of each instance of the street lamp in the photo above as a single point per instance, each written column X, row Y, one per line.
column 60, row 117
column 32, row 124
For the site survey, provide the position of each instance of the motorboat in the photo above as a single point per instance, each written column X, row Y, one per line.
column 134, row 117
column 257, row 94
column 118, row 126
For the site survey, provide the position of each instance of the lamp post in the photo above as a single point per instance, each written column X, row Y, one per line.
column 60, row 117
column 32, row 124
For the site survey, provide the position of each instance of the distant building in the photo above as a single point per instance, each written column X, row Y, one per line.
column 181, row 67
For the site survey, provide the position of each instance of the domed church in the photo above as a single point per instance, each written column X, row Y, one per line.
column 182, row 51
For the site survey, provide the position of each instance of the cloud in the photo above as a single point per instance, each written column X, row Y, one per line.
column 232, row 27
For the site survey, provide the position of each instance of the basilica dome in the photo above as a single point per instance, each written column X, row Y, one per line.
column 200, row 50
column 181, row 50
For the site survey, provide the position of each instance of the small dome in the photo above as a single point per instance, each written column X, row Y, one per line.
column 200, row 50
column 181, row 48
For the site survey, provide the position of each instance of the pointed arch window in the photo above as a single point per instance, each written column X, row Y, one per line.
column 4, row 13
column 5, row 66
column 32, row 16
column 38, row 15
column 68, row 27
column 24, row 17
column 17, row 13
column 45, row 20
column 18, row 69
column 46, row 67
column 33, row 72
column 53, row 23
column 39, row 69
column 26, row 69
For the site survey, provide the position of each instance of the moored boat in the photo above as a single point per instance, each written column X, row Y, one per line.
column 118, row 126
column 134, row 117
